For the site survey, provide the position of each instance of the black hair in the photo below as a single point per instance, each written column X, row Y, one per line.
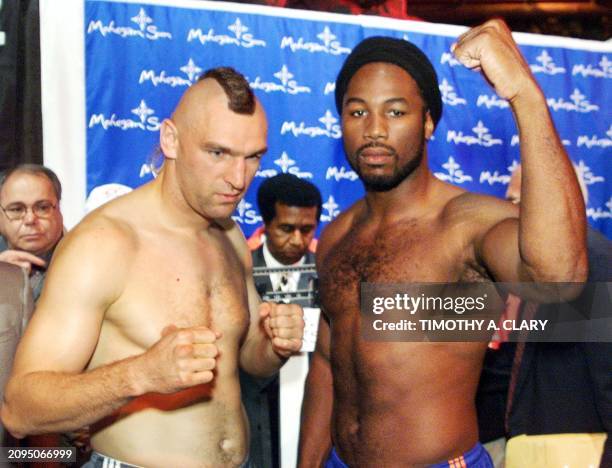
column 399, row 52
column 289, row 190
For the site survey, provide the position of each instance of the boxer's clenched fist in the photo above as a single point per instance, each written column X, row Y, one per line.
column 182, row 358
column 490, row 48
column 284, row 325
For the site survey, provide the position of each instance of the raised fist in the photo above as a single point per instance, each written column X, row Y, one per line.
column 490, row 48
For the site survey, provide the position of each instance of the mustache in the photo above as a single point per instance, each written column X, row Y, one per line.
column 361, row 149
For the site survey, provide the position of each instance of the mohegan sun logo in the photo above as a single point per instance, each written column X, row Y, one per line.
column 330, row 129
column 147, row 120
column 600, row 212
column 546, row 65
column 604, row 70
column 327, row 45
column 330, row 209
column 245, row 214
column 145, row 30
column 240, row 36
column 449, row 58
column 454, row 173
column 340, row 173
column 286, row 84
column 595, row 141
column 481, row 137
column 330, row 87
column 491, row 100
column 578, row 103
column 449, row 96
column 587, row 174
column 497, row 178
column 288, row 165
column 190, row 69
column 515, row 141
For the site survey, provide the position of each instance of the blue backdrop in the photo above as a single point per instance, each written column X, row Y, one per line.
column 140, row 57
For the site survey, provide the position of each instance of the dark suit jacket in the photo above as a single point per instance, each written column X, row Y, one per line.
column 37, row 277
column 15, row 310
column 260, row 395
column 263, row 283
column 567, row 387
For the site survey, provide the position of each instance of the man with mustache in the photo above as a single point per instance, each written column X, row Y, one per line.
column 373, row 403
column 149, row 307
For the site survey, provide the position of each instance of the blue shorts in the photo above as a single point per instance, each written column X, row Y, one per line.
column 476, row 457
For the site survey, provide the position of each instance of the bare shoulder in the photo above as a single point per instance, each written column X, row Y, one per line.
column 100, row 233
column 335, row 231
column 476, row 212
column 236, row 237
column 94, row 257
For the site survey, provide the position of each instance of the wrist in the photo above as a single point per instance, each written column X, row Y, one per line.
column 530, row 97
column 136, row 376
column 281, row 354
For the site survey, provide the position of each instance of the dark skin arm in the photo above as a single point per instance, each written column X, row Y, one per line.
column 315, row 429
column 548, row 242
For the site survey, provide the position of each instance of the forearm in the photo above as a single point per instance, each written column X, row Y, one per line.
column 258, row 358
column 552, row 225
column 44, row 402
column 315, row 428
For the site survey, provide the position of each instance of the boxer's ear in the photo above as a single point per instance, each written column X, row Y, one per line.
column 168, row 139
column 429, row 126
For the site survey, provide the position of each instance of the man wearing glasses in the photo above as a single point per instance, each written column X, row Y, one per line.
column 31, row 223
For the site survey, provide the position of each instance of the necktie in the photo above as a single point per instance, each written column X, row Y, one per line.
column 284, row 281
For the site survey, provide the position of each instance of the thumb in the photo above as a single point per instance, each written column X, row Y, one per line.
column 168, row 330
column 265, row 309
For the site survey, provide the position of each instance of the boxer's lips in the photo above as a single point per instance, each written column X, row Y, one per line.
column 229, row 197
column 376, row 156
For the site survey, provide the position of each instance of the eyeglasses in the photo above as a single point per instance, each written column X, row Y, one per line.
column 40, row 209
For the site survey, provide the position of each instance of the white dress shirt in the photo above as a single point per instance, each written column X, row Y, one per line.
column 285, row 282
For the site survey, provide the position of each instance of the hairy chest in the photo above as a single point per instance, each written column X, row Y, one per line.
column 405, row 253
column 185, row 285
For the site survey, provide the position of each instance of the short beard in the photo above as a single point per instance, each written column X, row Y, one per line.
column 385, row 183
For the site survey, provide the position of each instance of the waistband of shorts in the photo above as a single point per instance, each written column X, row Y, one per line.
column 99, row 460
column 476, row 455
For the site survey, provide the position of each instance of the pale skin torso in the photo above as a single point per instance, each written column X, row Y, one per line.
column 149, row 305
column 142, row 274
column 399, row 404
column 203, row 283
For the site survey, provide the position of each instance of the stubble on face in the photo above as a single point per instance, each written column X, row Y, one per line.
column 212, row 139
column 386, row 182
column 385, row 125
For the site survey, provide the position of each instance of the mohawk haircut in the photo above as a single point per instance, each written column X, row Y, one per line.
column 237, row 89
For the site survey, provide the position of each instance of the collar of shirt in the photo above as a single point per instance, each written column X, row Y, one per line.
column 275, row 278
